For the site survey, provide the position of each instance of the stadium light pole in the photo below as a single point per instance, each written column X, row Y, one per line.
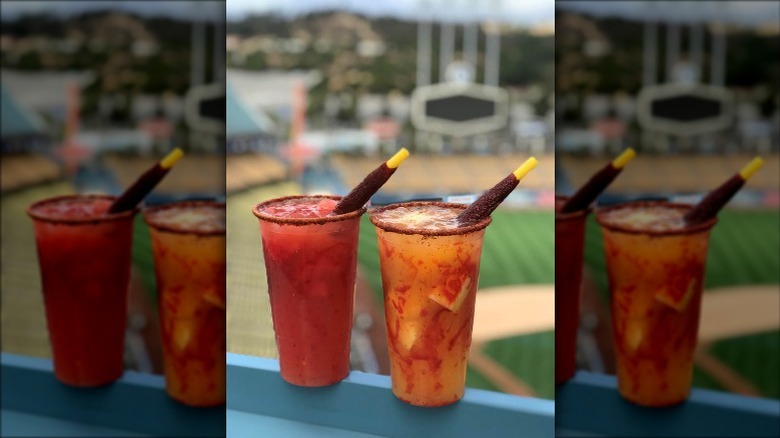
column 197, row 50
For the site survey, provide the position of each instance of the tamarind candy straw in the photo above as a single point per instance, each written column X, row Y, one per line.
column 492, row 198
column 597, row 183
column 358, row 197
column 711, row 204
column 136, row 193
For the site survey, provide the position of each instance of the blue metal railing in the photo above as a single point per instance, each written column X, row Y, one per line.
column 137, row 403
column 589, row 405
column 363, row 403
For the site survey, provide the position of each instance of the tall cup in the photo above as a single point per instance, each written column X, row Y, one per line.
column 188, row 245
column 84, row 259
column 429, row 277
column 310, row 263
column 569, row 243
column 656, row 267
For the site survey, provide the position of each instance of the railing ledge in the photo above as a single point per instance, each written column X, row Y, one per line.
column 136, row 403
column 589, row 405
column 364, row 403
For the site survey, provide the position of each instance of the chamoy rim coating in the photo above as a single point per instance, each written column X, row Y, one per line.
column 148, row 213
column 105, row 217
column 601, row 212
column 571, row 215
column 257, row 211
column 454, row 231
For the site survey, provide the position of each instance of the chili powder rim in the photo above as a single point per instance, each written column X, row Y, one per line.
column 301, row 221
column 80, row 220
column 147, row 212
column 571, row 215
column 694, row 229
column 421, row 231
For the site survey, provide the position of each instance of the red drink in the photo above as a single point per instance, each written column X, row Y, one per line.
column 569, row 242
column 188, row 242
column 84, row 257
column 310, row 260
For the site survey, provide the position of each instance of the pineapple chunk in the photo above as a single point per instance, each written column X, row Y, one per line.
column 635, row 333
column 408, row 333
column 183, row 331
column 451, row 302
column 675, row 299
column 214, row 297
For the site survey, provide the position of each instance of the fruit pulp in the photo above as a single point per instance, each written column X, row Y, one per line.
column 311, row 260
column 655, row 267
column 430, row 284
column 84, row 258
column 569, row 243
column 188, row 245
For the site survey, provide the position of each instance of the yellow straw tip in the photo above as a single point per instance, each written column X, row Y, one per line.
column 525, row 168
column 623, row 159
column 171, row 158
column 751, row 168
column 396, row 159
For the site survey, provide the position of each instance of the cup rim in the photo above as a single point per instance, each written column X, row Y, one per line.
column 602, row 211
column 81, row 220
column 256, row 210
column 423, row 232
column 571, row 215
column 147, row 212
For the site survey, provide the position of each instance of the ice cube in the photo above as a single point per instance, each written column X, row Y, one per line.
column 325, row 206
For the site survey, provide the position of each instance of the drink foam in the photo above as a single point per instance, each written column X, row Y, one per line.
column 300, row 208
column 74, row 208
column 426, row 217
column 198, row 218
column 646, row 218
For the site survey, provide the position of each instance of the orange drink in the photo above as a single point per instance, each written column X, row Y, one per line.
column 655, row 264
column 430, row 271
column 188, row 243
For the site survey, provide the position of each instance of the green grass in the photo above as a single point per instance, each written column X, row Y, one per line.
column 518, row 249
column 756, row 357
column 143, row 260
column 531, row 357
column 744, row 249
column 475, row 379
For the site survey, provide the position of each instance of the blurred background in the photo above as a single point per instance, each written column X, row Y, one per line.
column 694, row 88
column 93, row 94
column 319, row 93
